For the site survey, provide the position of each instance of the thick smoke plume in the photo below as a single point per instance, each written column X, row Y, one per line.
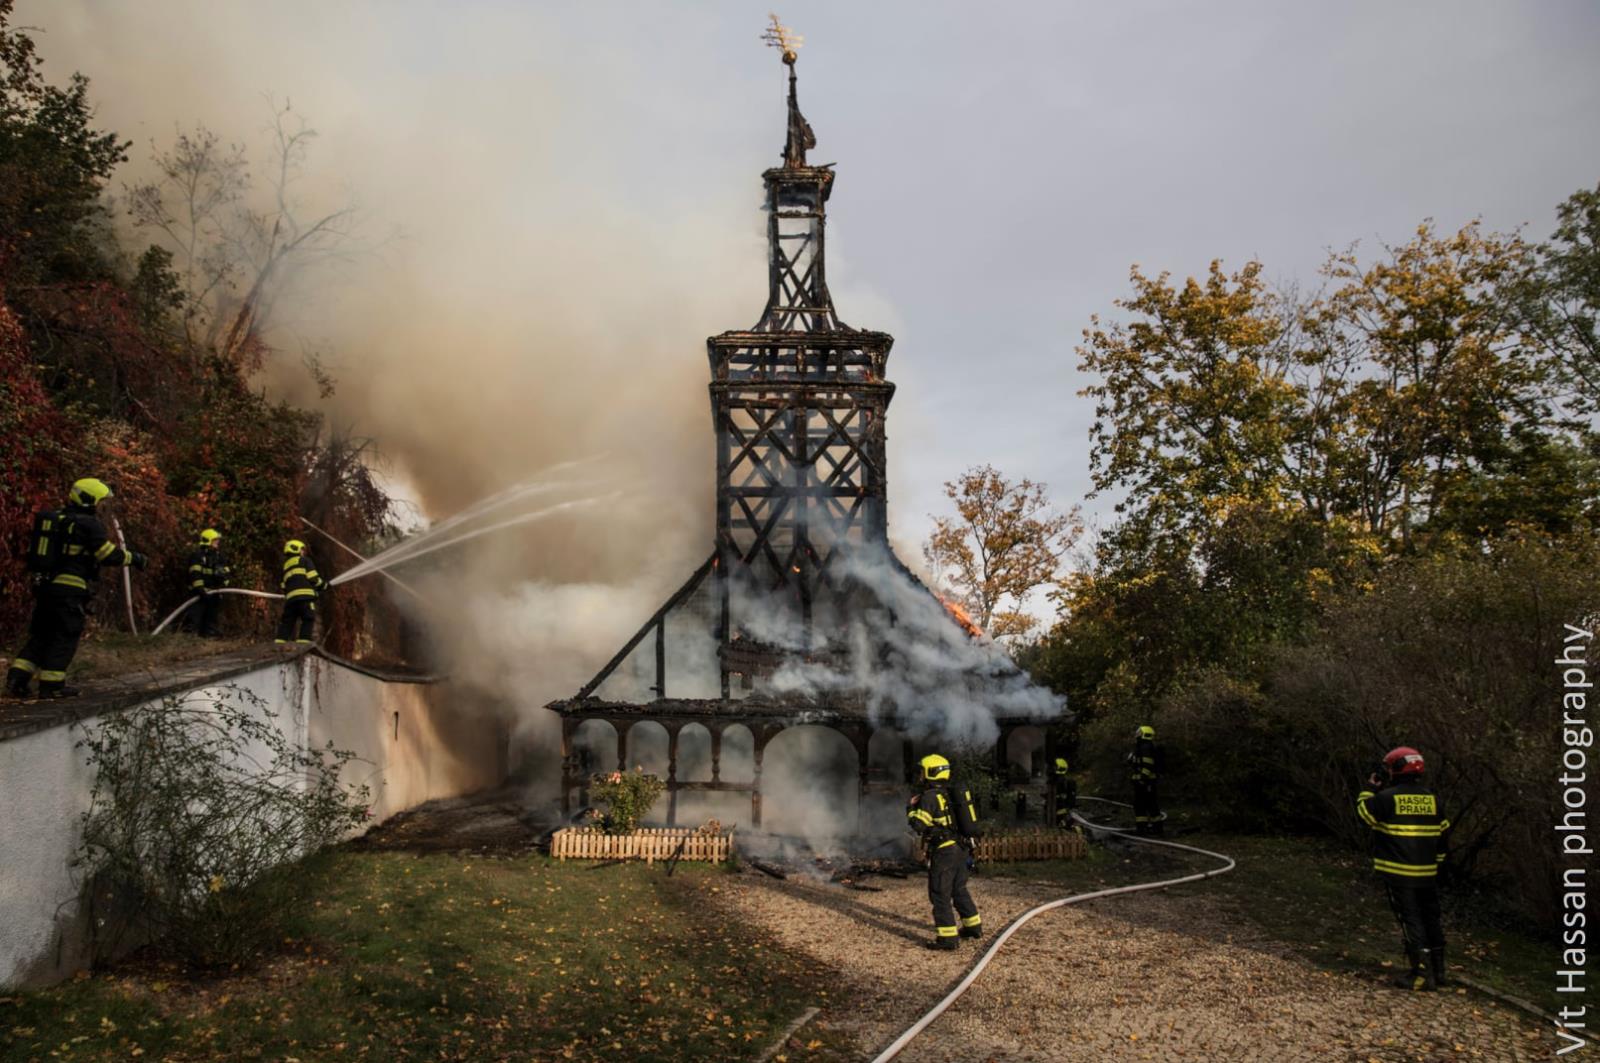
column 513, row 303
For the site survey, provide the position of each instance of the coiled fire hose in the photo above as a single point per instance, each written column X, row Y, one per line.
column 1016, row 924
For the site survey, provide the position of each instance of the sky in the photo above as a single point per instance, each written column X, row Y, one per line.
column 570, row 196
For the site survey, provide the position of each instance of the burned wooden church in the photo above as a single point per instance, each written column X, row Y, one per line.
column 801, row 618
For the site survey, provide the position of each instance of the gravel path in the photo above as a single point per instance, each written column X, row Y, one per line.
column 1157, row 976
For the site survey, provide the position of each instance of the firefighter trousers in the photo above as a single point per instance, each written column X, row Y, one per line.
column 1064, row 799
column 201, row 617
column 59, row 615
column 1146, row 807
column 947, row 889
column 1417, row 909
column 298, row 620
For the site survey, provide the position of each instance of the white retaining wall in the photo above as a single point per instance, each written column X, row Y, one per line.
column 417, row 747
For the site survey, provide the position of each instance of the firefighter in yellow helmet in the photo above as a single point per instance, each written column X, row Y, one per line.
column 300, row 586
column 208, row 573
column 1063, row 793
column 1144, row 769
column 66, row 550
column 944, row 816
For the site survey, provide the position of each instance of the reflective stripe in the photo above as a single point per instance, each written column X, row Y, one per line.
column 1444, row 824
column 946, row 931
column 1361, row 810
column 302, row 592
column 105, row 550
column 280, row 641
column 67, row 579
column 920, row 816
column 52, row 677
column 1409, row 870
column 22, row 665
column 1439, row 859
column 972, row 920
column 946, row 845
column 1410, row 830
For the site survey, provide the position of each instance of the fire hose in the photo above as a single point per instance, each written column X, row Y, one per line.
column 220, row 590
column 127, row 579
column 1016, row 924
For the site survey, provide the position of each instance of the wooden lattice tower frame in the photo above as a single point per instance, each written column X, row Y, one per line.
column 798, row 405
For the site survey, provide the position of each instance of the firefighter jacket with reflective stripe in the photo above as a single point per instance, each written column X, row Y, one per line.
column 85, row 547
column 942, row 815
column 1145, row 760
column 207, row 569
column 1408, row 831
column 300, row 579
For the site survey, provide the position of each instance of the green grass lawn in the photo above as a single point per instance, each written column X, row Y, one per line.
column 440, row 956
column 444, row 956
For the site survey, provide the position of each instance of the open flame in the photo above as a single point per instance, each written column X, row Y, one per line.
column 959, row 614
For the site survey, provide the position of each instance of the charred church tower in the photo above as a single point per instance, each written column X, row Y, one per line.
column 798, row 405
column 802, row 617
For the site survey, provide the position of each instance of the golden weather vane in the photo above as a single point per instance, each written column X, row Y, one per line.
column 783, row 38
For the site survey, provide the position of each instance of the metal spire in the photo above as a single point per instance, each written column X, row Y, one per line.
column 800, row 138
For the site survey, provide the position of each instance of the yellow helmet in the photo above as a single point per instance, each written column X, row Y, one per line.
column 1146, row 732
column 935, row 768
column 209, row 536
column 88, row 492
column 1061, row 765
column 294, row 546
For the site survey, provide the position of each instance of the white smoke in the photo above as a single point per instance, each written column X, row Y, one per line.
column 917, row 669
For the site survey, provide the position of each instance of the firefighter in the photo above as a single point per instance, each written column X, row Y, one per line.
column 1408, row 845
column 208, row 572
column 1144, row 765
column 66, row 552
column 300, row 586
column 947, row 821
column 1063, row 792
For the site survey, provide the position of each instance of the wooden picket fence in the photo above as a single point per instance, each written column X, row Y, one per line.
column 648, row 844
column 1037, row 843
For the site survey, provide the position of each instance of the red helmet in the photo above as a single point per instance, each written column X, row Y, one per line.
column 1403, row 760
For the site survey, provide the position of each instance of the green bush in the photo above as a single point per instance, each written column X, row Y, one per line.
column 628, row 797
column 200, row 808
column 1453, row 655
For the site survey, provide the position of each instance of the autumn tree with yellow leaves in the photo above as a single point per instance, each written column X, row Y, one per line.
column 1004, row 541
column 1415, row 437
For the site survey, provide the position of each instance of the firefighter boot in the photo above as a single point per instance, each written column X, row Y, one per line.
column 17, row 680
column 57, row 689
column 974, row 929
column 1420, row 977
column 1436, row 959
column 946, row 942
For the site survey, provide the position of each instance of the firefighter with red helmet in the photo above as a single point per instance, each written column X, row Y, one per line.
column 1408, row 845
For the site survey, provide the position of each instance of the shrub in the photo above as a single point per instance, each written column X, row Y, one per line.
column 1453, row 655
column 628, row 797
column 200, row 807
